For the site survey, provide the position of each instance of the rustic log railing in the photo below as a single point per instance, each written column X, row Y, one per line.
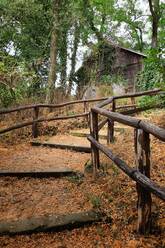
column 36, row 108
column 140, row 174
column 102, row 102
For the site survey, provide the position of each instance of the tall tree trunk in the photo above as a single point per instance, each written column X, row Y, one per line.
column 63, row 59
column 73, row 58
column 155, row 14
column 53, row 52
column 89, row 15
column 155, row 22
column 139, row 34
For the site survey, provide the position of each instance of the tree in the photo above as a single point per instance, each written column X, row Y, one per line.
column 155, row 16
column 76, row 40
column 56, row 4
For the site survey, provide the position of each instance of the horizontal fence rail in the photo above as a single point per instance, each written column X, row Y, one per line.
column 143, row 93
column 6, row 111
column 103, row 102
column 133, row 122
column 29, row 123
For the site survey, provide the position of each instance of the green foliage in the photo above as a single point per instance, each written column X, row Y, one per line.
column 26, row 28
column 9, row 96
column 6, row 98
column 94, row 200
column 88, row 167
column 113, row 79
column 17, row 81
column 26, row 25
column 152, row 75
column 76, row 179
column 151, row 101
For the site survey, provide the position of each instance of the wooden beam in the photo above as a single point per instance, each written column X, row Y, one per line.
column 110, row 134
column 35, row 131
column 133, row 122
column 137, row 94
column 101, row 124
column 153, row 129
column 49, row 222
column 105, row 100
column 104, row 103
column 140, row 109
column 142, row 151
column 29, row 123
column 57, row 172
column 6, row 111
column 62, row 146
column 94, row 150
column 126, row 106
column 127, row 120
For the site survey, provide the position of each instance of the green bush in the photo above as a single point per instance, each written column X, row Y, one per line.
column 152, row 76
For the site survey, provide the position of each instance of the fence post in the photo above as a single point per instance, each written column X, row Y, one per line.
column 35, row 124
column 110, row 128
column 110, row 132
column 142, row 151
column 94, row 134
column 85, row 111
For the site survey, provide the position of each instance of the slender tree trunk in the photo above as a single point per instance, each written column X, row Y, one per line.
column 155, row 32
column 53, row 52
column 73, row 58
column 155, row 14
column 139, row 34
column 63, row 59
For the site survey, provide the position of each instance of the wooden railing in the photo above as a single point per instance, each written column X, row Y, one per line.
column 36, row 109
column 102, row 102
column 141, row 173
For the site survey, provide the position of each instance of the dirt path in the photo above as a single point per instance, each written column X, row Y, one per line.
column 113, row 193
column 25, row 157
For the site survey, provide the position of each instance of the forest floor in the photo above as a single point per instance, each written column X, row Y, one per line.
column 112, row 193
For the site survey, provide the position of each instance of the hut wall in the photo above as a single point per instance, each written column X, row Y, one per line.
column 128, row 64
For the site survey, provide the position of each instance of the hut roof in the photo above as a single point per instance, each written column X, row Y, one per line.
column 132, row 51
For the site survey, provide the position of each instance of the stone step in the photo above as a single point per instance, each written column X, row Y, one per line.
column 76, row 148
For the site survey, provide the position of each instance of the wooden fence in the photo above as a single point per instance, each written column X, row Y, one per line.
column 36, row 110
column 102, row 102
column 140, row 173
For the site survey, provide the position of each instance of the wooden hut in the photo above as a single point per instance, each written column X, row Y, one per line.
column 109, row 59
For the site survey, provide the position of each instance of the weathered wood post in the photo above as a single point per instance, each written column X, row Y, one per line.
column 133, row 102
column 94, row 134
column 142, row 150
column 110, row 128
column 85, row 111
column 35, row 132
